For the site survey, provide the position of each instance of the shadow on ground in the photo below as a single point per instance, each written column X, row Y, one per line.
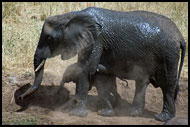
column 45, row 97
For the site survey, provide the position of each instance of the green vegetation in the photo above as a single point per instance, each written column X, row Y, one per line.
column 22, row 23
column 22, row 122
column 19, row 119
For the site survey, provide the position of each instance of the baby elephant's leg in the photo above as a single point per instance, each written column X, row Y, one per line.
column 112, row 86
column 105, row 84
column 75, row 73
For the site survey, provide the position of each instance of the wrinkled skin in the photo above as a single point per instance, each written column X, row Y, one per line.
column 104, row 82
column 138, row 45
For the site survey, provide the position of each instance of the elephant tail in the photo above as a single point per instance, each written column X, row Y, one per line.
column 183, row 47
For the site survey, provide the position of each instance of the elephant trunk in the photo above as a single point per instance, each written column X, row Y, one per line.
column 39, row 69
column 63, row 81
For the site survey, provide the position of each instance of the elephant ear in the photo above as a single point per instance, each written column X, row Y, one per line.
column 81, row 32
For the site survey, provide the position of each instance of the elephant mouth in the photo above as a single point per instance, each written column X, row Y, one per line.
column 40, row 66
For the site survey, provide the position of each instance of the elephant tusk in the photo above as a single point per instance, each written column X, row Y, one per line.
column 41, row 64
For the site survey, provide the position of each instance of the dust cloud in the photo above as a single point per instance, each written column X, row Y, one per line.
column 55, row 66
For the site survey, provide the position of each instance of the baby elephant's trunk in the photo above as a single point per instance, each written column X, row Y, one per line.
column 60, row 86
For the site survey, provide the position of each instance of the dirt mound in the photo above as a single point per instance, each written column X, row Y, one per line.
column 44, row 97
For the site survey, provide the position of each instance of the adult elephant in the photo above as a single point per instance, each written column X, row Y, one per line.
column 137, row 45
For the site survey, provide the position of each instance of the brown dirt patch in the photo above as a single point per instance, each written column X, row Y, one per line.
column 43, row 107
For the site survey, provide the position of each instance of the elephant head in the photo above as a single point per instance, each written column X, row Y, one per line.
column 64, row 35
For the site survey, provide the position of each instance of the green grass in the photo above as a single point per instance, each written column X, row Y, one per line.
column 19, row 119
column 22, row 122
column 22, row 23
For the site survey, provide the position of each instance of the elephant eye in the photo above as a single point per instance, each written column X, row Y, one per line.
column 49, row 39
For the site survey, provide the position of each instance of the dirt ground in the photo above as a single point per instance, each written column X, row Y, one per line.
column 43, row 107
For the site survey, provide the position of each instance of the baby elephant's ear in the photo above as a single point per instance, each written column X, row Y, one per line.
column 81, row 32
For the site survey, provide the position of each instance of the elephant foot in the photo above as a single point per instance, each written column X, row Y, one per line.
column 79, row 110
column 136, row 112
column 106, row 112
column 164, row 116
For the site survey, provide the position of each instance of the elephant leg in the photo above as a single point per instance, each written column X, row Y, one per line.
column 139, row 98
column 82, row 87
column 168, row 87
column 104, row 84
column 168, row 110
column 113, row 89
column 110, row 84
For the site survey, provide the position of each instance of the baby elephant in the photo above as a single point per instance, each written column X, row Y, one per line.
column 104, row 81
